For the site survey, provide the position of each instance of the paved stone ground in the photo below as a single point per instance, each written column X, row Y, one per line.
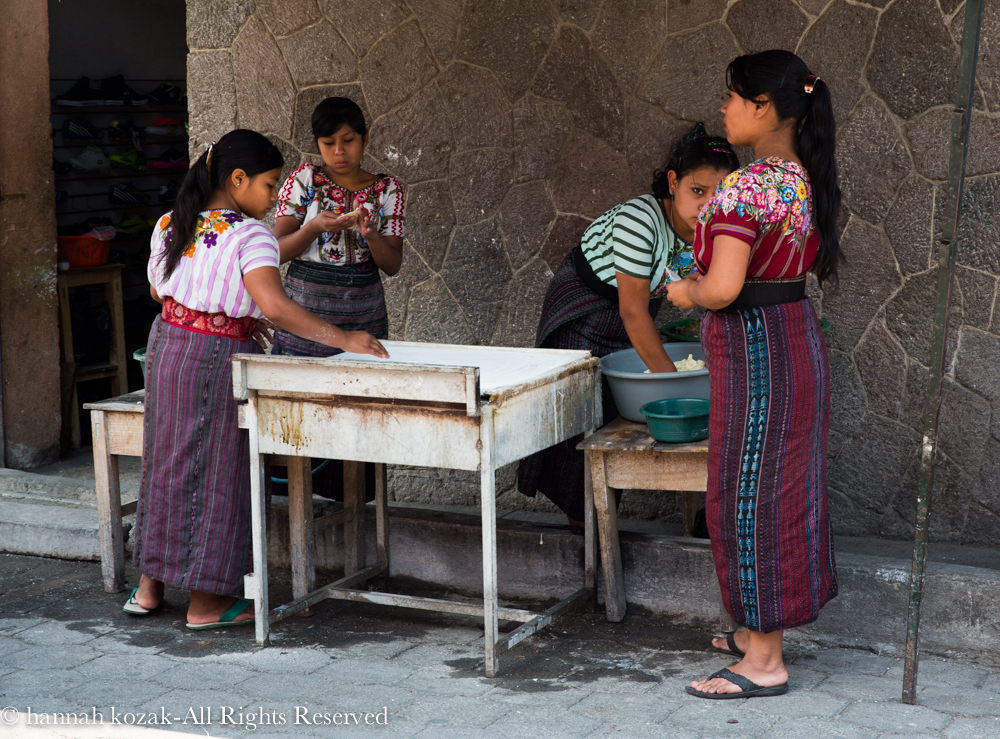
column 65, row 645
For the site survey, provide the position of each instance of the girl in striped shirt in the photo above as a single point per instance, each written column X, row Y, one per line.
column 214, row 266
column 607, row 291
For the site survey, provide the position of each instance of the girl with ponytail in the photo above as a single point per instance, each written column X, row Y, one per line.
column 214, row 266
column 768, row 226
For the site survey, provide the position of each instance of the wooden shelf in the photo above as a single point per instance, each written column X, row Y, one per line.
column 118, row 109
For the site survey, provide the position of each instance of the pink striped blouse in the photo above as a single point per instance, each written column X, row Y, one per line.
column 209, row 277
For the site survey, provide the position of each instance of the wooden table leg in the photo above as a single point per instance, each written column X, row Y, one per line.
column 690, row 511
column 589, row 526
column 354, row 528
column 109, row 506
column 488, row 498
column 300, row 524
column 607, row 524
column 116, row 354
column 382, row 517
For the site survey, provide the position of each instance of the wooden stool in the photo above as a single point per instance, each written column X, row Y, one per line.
column 109, row 275
column 623, row 455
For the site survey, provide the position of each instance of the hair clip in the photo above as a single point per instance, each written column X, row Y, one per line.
column 208, row 159
column 811, row 81
column 696, row 133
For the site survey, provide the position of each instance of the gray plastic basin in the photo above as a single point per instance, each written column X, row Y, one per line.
column 632, row 388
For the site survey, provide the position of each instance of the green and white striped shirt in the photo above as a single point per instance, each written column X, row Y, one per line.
column 635, row 239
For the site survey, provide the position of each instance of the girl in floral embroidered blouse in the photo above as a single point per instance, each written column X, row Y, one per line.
column 766, row 228
column 340, row 225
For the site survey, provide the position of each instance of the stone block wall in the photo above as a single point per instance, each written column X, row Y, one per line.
column 513, row 123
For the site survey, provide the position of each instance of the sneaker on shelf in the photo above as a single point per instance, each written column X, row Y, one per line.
column 131, row 225
column 61, row 168
column 166, row 94
column 172, row 160
column 81, row 93
column 125, row 193
column 165, row 127
column 124, row 131
column 130, row 159
column 168, row 192
column 116, row 92
column 80, row 131
column 90, row 159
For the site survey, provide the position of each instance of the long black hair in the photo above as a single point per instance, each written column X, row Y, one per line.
column 695, row 150
column 799, row 95
column 239, row 149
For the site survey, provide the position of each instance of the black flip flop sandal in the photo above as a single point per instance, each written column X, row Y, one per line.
column 748, row 688
column 733, row 649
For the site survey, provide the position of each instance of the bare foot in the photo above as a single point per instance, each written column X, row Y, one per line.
column 777, row 675
column 741, row 638
column 208, row 608
column 150, row 593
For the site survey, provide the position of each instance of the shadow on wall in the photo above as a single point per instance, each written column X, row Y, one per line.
column 513, row 123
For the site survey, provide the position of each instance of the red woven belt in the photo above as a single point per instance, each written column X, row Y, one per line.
column 216, row 324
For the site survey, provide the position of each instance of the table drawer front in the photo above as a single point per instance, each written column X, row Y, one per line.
column 657, row 470
column 125, row 433
column 368, row 433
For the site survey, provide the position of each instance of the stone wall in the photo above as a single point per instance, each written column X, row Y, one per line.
column 29, row 305
column 513, row 123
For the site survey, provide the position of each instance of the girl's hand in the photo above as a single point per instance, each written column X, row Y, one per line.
column 263, row 332
column 679, row 294
column 365, row 226
column 327, row 221
column 362, row 342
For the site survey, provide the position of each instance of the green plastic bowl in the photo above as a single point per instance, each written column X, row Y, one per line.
column 139, row 355
column 673, row 331
column 677, row 420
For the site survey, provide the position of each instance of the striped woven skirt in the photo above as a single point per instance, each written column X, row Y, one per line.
column 766, row 505
column 573, row 317
column 192, row 525
column 348, row 297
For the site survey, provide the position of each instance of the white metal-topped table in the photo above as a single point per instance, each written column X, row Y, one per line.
column 429, row 405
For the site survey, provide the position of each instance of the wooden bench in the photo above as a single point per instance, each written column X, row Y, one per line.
column 622, row 455
column 117, row 426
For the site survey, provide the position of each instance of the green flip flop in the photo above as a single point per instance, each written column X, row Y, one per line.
column 227, row 618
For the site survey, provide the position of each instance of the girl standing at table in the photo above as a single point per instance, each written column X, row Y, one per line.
column 606, row 293
column 767, row 226
column 337, row 255
column 214, row 267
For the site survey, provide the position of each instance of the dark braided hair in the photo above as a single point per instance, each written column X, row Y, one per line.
column 784, row 79
column 695, row 150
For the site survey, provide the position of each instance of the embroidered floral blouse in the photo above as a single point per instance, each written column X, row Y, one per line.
column 308, row 191
column 209, row 277
column 768, row 205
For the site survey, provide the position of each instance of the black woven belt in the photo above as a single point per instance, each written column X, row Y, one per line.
column 758, row 293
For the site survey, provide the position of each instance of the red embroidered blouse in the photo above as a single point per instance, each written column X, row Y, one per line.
column 768, row 205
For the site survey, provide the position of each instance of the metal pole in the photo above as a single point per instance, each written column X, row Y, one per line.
column 946, row 250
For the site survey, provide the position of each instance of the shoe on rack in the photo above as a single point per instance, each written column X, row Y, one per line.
column 125, row 193
column 90, row 159
column 131, row 225
column 80, row 131
column 168, row 192
column 116, row 92
column 124, row 131
column 172, row 160
column 165, row 127
column 166, row 94
column 61, row 168
column 130, row 159
column 81, row 93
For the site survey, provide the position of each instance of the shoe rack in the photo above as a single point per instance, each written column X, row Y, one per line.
column 84, row 194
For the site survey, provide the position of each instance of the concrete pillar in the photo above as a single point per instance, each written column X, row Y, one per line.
column 29, row 327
